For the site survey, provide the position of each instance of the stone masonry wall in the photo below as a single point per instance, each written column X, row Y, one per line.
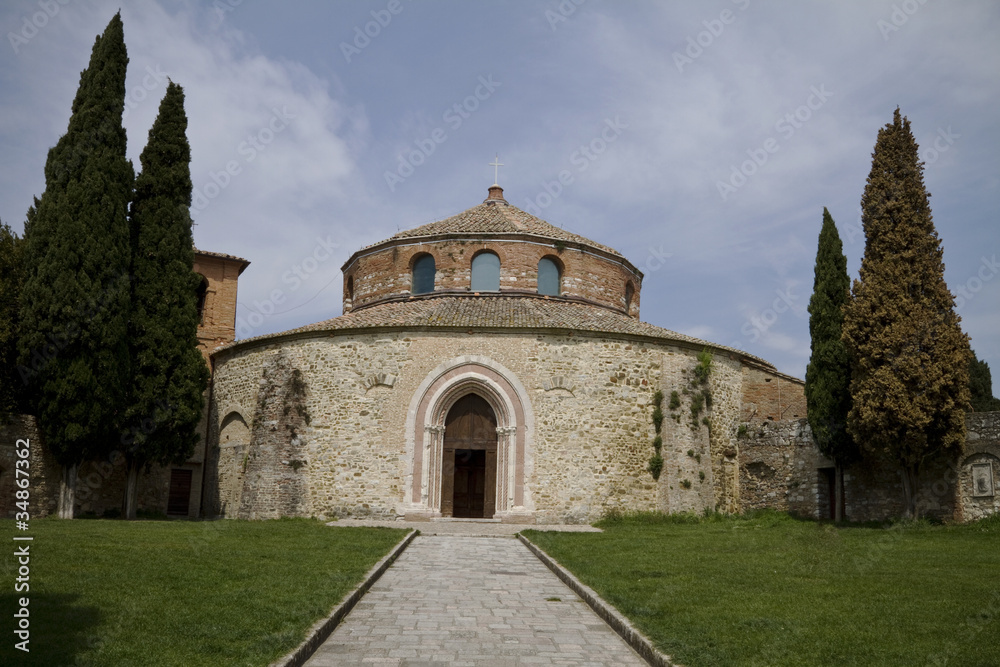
column 386, row 272
column 590, row 396
column 100, row 484
column 780, row 469
column 273, row 480
column 982, row 451
column 779, row 465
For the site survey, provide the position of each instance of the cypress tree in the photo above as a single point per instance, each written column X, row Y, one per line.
column 828, row 375
column 169, row 373
column 11, row 282
column 981, row 386
column 75, row 301
column 909, row 356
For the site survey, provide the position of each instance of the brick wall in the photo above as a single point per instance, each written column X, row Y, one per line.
column 771, row 396
column 588, row 273
column 218, row 322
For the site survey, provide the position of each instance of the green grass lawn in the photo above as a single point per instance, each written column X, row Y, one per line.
column 770, row 590
column 179, row 592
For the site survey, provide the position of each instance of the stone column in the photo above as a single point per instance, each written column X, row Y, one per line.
column 506, row 458
column 430, row 475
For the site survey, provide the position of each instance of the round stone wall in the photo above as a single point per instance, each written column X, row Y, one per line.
column 578, row 416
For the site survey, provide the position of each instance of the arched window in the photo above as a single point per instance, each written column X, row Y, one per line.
column 485, row 272
column 201, row 294
column 548, row 277
column 423, row 275
column 629, row 293
column 350, row 289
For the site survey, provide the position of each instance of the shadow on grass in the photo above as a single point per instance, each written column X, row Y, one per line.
column 62, row 631
column 141, row 515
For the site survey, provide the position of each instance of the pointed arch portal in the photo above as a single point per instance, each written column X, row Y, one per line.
column 469, row 441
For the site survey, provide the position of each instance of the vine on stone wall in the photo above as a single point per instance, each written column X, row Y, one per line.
column 698, row 390
column 699, row 397
column 656, row 461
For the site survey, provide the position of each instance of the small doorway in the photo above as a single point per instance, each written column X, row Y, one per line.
column 179, row 499
column 827, row 493
column 469, row 461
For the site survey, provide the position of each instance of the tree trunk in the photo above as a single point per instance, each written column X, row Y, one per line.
column 910, row 493
column 131, row 489
column 67, row 491
column 839, row 502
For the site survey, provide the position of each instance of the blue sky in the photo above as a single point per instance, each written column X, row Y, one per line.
column 701, row 139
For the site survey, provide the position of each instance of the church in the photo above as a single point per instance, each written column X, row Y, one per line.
column 492, row 366
column 489, row 365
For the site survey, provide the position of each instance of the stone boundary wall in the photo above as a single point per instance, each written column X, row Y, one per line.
column 100, row 484
column 781, row 468
column 778, row 463
column 982, row 450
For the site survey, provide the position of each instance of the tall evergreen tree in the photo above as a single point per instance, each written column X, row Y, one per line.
column 981, row 386
column 75, row 301
column 909, row 356
column 169, row 373
column 828, row 375
column 11, row 283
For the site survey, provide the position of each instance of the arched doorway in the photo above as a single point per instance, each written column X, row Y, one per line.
column 506, row 496
column 469, row 459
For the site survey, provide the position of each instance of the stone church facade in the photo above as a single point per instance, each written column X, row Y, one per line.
column 493, row 366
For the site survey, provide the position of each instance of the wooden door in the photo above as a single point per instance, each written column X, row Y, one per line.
column 179, row 498
column 470, row 483
column 828, row 493
column 468, row 479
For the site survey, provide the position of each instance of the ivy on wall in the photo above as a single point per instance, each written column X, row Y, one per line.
column 656, row 461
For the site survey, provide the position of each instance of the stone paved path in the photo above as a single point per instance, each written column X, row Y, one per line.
column 455, row 600
column 469, row 527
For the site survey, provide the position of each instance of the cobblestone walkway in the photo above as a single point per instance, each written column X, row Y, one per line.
column 454, row 600
column 468, row 527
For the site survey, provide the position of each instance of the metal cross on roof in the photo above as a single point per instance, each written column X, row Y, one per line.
column 496, row 164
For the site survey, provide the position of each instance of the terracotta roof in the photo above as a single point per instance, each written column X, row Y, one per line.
column 495, row 311
column 497, row 217
column 221, row 255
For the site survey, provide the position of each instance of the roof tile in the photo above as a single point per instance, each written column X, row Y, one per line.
column 499, row 217
column 497, row 311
